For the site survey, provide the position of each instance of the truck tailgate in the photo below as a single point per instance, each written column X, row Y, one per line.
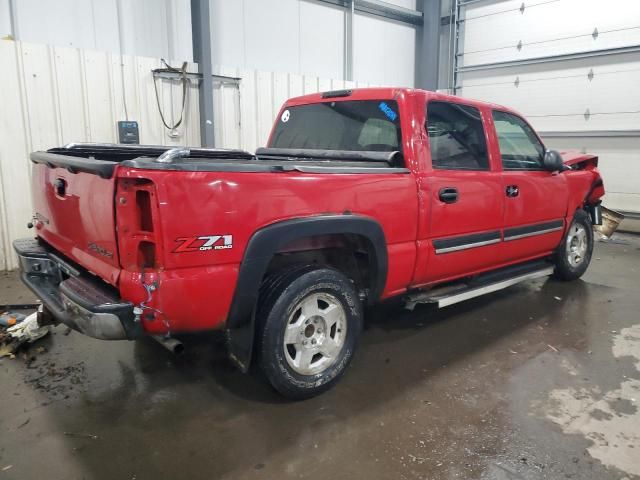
column 74, row 212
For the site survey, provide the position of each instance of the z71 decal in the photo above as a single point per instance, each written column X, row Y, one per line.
column 204, row 243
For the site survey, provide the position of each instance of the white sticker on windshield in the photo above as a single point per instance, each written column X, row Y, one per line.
column 285, row 116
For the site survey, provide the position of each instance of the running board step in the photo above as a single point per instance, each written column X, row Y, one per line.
column 460, row 292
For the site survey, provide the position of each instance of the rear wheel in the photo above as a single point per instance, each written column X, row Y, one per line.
column 574, row 253
column 311, row 320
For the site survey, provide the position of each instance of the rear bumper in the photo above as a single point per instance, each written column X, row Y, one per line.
column 74, row 297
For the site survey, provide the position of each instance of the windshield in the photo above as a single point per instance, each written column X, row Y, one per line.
column 369, row 125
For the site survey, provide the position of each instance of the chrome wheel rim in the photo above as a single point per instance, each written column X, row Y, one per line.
column 315, row 334
column 577, row 242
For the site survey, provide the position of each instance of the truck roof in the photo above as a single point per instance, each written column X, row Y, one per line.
column 376, row 93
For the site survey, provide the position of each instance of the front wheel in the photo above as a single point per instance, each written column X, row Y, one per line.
column 311, row 320
column 574, row 253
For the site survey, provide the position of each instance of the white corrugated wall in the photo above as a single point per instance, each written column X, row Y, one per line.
column 55, row 95
column 305, row 37
column 151, row 28
column 566, row 99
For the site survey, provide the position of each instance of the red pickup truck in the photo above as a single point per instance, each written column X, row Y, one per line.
column 361, row 195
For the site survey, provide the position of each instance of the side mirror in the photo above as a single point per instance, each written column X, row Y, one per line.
column 553, row 161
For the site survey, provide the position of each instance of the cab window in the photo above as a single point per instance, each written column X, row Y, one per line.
column 354, row 125
column 456, row 137
column 520, row 148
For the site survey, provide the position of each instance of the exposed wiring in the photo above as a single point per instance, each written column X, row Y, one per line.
column 185, row 82
column 150, row 288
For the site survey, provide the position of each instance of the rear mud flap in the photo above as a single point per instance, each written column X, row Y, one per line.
column 240, row 345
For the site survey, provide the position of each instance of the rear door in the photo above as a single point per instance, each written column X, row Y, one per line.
column 464, row 194
column 535, row 199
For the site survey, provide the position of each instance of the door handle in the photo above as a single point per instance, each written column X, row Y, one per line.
column 512, row 191
column 448, row 195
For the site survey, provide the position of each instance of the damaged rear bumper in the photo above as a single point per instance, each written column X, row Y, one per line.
column 74, row 297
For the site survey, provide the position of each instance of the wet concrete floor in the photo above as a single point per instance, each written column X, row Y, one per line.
column 541, row 380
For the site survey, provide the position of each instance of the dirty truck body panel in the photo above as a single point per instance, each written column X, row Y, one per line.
column 186, row 244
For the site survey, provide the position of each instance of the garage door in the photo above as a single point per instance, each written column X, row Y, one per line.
column 572, row 67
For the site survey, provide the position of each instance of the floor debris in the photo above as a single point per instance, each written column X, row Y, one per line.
column 28, row 329
column 24, row 423
column 18, row 331
column 7, row 349
column 81, row 435
column 9, row 319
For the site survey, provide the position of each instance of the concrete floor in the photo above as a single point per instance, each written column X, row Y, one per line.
column 539, row 381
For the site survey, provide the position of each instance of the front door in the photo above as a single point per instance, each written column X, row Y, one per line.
column 464, row 194
column 535, row 199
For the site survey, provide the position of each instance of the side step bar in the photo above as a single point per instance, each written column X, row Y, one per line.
column 452, row 294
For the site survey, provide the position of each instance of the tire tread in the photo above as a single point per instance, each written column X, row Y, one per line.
column 564, row 271
column 284, row 284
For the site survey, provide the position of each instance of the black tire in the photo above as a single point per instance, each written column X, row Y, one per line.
column 281, row 299
column 567, row 269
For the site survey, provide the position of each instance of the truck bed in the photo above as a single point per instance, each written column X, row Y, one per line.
column 101, row 159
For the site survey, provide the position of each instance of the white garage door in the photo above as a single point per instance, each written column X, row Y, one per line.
column 572, row 67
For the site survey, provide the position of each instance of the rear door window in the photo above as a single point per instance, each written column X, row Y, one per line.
column 353, row 125
column 456, row 137
column 520, row 147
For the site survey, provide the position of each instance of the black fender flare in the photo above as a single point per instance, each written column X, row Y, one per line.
column 261, row 248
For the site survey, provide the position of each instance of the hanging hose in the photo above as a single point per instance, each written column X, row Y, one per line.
column 183, row 78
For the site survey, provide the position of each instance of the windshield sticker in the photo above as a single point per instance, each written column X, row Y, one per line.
column 388, row 111
column 285, row 116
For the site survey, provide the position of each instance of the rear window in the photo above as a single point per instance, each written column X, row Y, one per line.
column 369, row 125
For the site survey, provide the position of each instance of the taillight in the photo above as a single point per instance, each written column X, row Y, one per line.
column 145, row 217
column 146, row 254
column 136, row 218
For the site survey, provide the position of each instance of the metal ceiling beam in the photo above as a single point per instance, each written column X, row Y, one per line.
column 381, row 9
column 349, row 38
column 388, row 10
column 201, row 38
column 471, row 2
column 428, row 46
column 551, row 58
column 454, row 39
column 13, row 20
